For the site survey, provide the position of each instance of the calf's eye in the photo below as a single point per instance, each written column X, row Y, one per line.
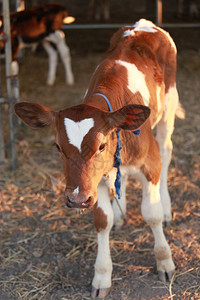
column 102, row 147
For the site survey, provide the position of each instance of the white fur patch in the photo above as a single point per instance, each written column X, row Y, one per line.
column 141, row 25
column 128, row 32
column 76, row 131
column 136, row 80
column 145, row 25
column 76, row 191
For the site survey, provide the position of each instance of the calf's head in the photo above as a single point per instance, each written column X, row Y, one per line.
column 86, row 141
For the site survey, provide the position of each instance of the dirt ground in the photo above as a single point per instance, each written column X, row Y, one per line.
column 48, row 251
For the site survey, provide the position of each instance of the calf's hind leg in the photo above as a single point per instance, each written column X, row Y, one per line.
column 152, row 212
column 64, row 52
column 53, row 60
column 165, row 129
column 58, row 40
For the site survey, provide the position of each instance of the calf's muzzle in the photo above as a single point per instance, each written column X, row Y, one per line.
column 79, row 202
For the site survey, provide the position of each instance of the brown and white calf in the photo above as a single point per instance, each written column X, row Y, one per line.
column 42, row 24
column 138, row 75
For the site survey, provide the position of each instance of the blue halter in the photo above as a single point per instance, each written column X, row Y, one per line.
column 118, row 151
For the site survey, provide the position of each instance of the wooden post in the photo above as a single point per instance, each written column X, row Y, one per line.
column 2, row 149
column 159, row 12
column 8, row 59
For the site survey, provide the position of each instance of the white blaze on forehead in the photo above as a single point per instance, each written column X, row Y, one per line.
column 136, row 80
column 76, row 131
column 141, row 25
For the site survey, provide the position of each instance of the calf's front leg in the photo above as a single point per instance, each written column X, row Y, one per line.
column 103, row 220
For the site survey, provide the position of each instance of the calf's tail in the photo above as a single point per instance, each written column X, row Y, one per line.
column 180, row 111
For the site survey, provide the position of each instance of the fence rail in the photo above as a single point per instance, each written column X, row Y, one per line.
column 118, row 25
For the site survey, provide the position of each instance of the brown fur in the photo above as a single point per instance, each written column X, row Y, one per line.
column 100, row 219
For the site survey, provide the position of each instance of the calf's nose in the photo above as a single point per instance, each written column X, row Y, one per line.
column 78, row 202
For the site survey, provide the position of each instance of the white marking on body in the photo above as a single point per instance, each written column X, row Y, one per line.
column 76, row 131
column 136, row 80
column 141, row 25
column 76, row 191
column 145, row 25
column 128, row 32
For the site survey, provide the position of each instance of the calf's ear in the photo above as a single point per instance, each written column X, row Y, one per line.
column 34, row 114
column 130, row 117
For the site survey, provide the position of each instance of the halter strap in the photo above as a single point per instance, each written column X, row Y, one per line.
column 136, row 132
column 108, row 102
